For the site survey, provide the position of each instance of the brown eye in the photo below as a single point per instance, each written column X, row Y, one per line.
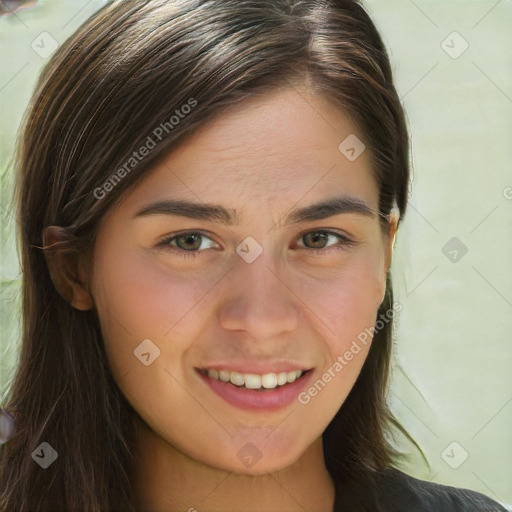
column 317, row 241
column 191, row 241
column 186, row 244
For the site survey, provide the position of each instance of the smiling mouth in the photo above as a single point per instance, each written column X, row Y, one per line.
column 255, row 382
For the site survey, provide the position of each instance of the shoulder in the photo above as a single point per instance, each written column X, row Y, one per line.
column 392, row 490
column 396, row 487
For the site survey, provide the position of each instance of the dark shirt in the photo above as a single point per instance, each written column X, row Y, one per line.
column 394, row 491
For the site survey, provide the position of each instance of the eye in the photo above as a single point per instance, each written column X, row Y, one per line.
column 188, row 243
column 320, row 237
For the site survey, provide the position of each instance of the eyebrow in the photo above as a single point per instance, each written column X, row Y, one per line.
column 229, row 217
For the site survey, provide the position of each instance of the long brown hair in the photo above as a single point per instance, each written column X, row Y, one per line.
column 124, row 73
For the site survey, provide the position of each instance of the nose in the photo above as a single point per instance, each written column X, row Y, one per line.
column 258, row 299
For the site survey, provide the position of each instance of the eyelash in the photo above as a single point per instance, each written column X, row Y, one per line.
column 344, row 243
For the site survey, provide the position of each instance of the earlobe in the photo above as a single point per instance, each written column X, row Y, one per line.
column 66, row 270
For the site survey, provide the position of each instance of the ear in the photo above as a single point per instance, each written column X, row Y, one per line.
column 67, row 271
column 390, row 240
column 389, row 235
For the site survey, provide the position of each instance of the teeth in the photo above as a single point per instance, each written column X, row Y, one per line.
column 223, row 374
column 292, row 377
column 236, row 378
column 281, row 378
column 254, row 381
column 269, row 380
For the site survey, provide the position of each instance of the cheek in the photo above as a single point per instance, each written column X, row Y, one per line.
column 138, row 299
column 346, row 304
column 346, row 298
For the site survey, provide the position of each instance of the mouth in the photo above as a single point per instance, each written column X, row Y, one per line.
column 253, row 391
column 254, row 381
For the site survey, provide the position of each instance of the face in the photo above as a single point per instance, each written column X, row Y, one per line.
column 188, row 300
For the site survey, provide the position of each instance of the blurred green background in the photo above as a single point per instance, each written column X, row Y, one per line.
column 452, row 381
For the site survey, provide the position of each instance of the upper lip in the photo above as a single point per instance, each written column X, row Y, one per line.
column 258, row 368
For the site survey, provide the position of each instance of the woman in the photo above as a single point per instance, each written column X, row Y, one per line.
column 208, row 194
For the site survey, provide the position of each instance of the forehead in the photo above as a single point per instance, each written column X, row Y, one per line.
column 281, row 147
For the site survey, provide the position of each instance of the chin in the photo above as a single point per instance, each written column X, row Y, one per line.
column 263, row 467
column 261, row 457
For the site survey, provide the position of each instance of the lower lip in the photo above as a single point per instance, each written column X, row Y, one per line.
column 250, row 399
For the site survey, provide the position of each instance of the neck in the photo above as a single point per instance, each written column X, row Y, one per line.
column 166, row 480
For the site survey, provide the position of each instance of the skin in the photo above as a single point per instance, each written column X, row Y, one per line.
column 262, row 158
